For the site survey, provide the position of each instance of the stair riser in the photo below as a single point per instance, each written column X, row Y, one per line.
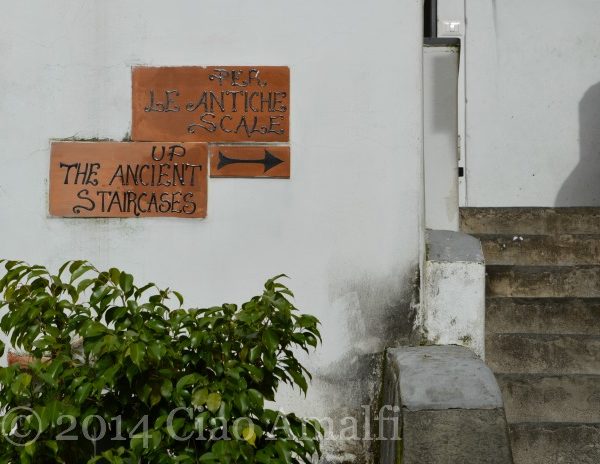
column 568, row 316
column 539, row 282
column 541, row 221
column 568, row 444
column 548, row 354
column 540, row 250
column 551, row 399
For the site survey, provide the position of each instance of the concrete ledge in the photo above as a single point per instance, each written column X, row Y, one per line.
column 448, row 406
column 452, row 310
column 447, row 246
column 443, row 377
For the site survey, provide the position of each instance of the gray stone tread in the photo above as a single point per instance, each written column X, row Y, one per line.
column 543, row 353
column 566, row 210
column 561, row 315
column 543, row 281
column 553, row 426
column 551, row 398
column 534, row 236
column 540, row 268
column 552, row 442
column 547, row 221
column 525, row 249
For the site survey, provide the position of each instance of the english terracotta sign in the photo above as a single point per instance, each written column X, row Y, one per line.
column 211, row 104
column 128, row 179
column 250, row 161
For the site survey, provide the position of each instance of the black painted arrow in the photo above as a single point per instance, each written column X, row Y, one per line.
column 269, row 161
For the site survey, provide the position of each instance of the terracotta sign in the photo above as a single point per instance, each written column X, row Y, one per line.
column 128, row 179
column 211, row 104
column 250, row 161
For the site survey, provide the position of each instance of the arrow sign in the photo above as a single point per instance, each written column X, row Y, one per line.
column 257, row 160
column 269, row 161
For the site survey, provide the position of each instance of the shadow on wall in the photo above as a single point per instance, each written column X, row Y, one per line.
column 582, row 187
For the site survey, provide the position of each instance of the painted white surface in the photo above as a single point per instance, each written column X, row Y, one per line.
column 453, row 12
column 440, row 136
column 451, row 18
column 452, row 310
column 533, row 111
column 345, row 228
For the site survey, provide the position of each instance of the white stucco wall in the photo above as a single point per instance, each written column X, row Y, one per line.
column 345, row 227
column 440, row 129
column 533, row 102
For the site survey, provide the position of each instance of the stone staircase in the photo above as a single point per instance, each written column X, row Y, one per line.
column 543, row 326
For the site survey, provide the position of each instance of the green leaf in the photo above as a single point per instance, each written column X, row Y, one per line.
column 269, row 360
column 94, row 329
column 166, row 389
column 187, row 380
column 242, row 402
column 51, row 412
column 115, row 275
column 213, row 402
column 22, row 381
column 30, row 448
column 52, row 445
column 299, row 379
column 254, row 353
column 200, row 397
column 139, row 442
column 283, row 450
column 79, row 272
column 270, row 339
column 83, row 392
column 157, row 325
column 84, row 284
column 257, row 400
column 60, row 270
column 179, row 297
column 126, row 282
column 249, row 435
column 157, row 350
column 155, row 397
column 136, row 353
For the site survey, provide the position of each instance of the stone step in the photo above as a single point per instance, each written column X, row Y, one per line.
column 536, row 221
column 550, row 443
column 550, row 398
column 543, row 315
column 521, row 353
column 543, row 281
column 541, row 249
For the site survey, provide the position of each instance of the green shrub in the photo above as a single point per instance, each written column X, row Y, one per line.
column 120, row 377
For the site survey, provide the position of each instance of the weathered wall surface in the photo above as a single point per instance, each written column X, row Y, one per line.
column 533, row 110
column 345, row 227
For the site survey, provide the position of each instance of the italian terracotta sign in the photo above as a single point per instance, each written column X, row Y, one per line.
column 211, row 104
column 128, row 179
column 242, row 111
